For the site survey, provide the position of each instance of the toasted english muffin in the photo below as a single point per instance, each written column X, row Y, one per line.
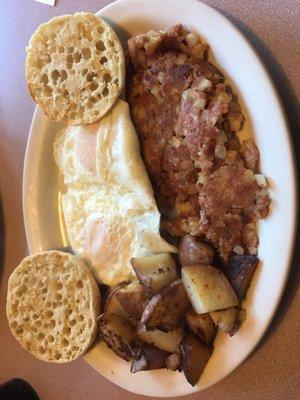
column 52, row 306
column 75, row 68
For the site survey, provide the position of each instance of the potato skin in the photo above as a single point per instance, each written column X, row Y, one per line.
column 173, row 362
column 195, row 356
column 139, row 362
column 166, row 309
column 147, row 357
column 240, row 271
column 194, row 252
column 112, row 304
column 201, row 325
column 118, row 334
column 133, row 299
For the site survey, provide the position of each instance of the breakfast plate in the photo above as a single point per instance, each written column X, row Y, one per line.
column 43, row 187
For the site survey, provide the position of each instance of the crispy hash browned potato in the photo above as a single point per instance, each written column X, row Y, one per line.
column 133, row 299
column 168, row 341
column 194, row 252
column 155, row 272
column 118, row 334
column 225, row 319
column 147, row 357
column 195, row 356
column 202, row 325
column 166, row 309
column 208, row 288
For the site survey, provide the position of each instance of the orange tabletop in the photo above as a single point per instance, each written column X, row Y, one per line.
column 272, row 371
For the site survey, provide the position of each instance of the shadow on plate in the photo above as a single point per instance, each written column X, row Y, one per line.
column 2, row 240
column 291, row 107
column 66, row 249
column 123, row 35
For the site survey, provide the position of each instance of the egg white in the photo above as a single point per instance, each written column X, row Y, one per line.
column 109, row 207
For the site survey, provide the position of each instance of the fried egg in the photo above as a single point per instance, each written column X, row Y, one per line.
column 109, row 208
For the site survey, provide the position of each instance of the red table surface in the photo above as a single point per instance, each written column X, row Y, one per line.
column 272, row 371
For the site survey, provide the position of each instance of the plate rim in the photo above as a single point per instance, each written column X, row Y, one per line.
column 29, row 157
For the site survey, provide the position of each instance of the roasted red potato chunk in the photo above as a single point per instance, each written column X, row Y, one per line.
column 166, row 309
column 173, row 362
column 202, row 325
column 133, row 298
column 113, row 305
column 168, row 341
column 195, row 356
column 194, row 252
column 155, row 272
column 225, row 320
column 118, row 334
column 207, row 288
column 147, row 357
column 240, row 271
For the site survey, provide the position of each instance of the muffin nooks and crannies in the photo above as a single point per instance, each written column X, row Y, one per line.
column 75, row 68
column 52, row 306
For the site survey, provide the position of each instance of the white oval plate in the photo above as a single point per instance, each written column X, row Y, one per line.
column 265, row 120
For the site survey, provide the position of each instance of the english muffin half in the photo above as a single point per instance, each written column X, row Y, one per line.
column 52, row 306
column 75, row 68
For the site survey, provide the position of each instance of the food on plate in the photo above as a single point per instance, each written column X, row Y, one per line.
column 109, row 208
column 202, row 325
column 162, row 338
column 133, row 298
column 113, row 306
column 168, row 341
column 52, row 306
column 240, row 271
column 75, row 68
column 166, row 309
column 148, row 357
column 162, row 311
column 195, row 356
column 207, row 288
column 140, row 363
column 225, row 320
column 155, row 271
column 192, row 251
column 173, row 362
column 206, row 182
column 219, row 197
column 118, row 334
